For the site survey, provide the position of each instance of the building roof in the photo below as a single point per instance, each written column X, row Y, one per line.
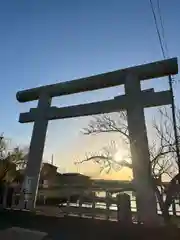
column 74, row 175
column 49, row 164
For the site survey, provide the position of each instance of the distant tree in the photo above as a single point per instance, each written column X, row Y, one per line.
column 10, row 160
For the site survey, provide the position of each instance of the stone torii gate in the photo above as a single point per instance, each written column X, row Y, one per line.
column 134, row 101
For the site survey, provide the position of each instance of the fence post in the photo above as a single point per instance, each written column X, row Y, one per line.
column 68, row 205
column 108, row 204
column 137, row 217
column 80, row 205
column 124, row 214
column 174, row 207
column 5, row 194
column 93, row 204
column 13, row 200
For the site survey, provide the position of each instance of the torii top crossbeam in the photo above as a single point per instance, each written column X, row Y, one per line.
column 110, row 79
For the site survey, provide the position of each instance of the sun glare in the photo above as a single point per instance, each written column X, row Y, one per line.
column 118, row 156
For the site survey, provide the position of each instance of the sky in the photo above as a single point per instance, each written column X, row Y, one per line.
column 44, row 42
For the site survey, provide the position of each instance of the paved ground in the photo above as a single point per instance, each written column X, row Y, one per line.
column 67, row 228
column 15, row 233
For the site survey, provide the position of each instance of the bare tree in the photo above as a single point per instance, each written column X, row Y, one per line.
column 162, row 149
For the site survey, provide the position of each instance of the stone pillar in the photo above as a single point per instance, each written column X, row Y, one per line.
column 140, row 152
column 124, row 214
column 31, row 182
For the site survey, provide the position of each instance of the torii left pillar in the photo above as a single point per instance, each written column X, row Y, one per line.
column 31, row 181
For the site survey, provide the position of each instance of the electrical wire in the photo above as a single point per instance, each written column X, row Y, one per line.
column 162, row 28
column 157, row 29
column 169, row 77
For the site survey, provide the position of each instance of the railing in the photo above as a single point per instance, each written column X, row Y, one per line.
column 107, row 207
column 110, row 208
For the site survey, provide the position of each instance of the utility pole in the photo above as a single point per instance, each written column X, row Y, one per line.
column 174, row 121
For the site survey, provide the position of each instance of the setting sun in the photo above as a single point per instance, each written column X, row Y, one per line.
column 118, row 156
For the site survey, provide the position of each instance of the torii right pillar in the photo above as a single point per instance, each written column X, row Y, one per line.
column 145, row 195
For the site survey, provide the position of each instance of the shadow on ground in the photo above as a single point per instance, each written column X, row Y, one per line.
column 79, row 228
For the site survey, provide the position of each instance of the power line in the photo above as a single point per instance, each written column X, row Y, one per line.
column 169, row 77
column 157, row 29
column 171, row 90
column 162, row 27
